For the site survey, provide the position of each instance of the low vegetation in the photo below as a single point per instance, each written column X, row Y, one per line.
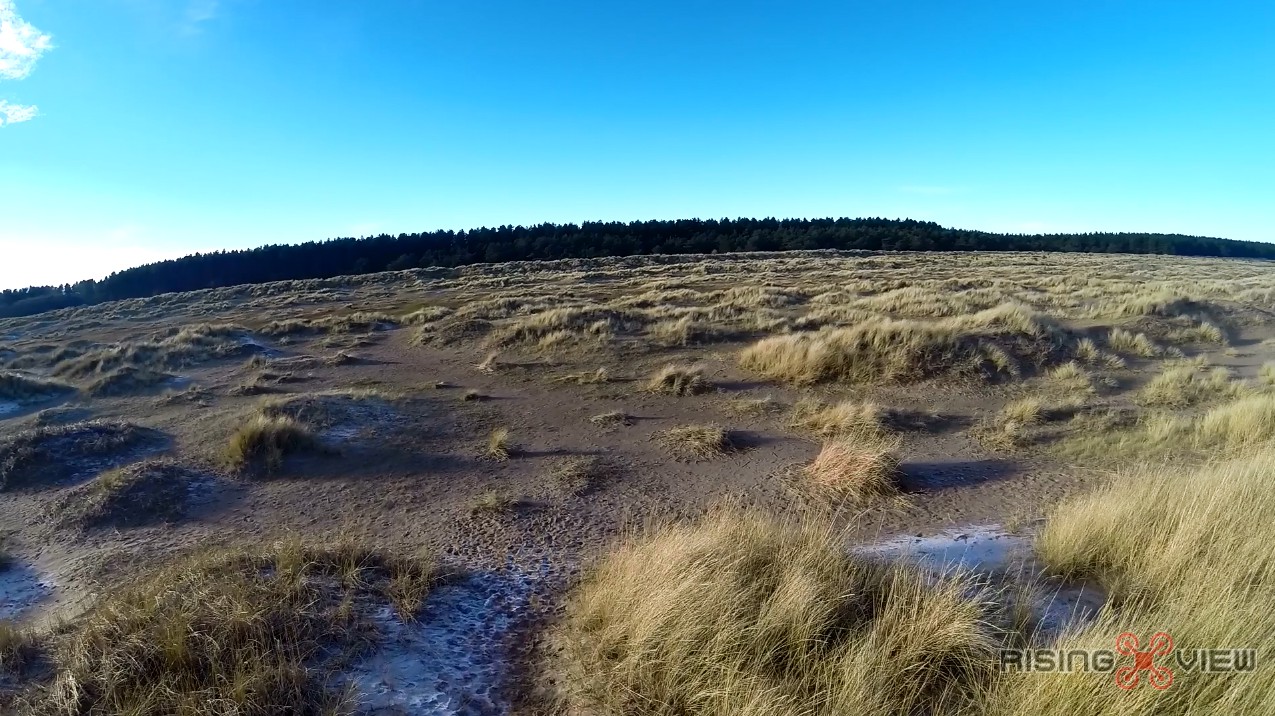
column 126, row 380
column 1202, row 571
column 1184, row 385
column 21, row 388
column 744, row 615
column 995, row 342
column 491, row 502
column 856, row 469
column 611, row 419
column 679, row 380
column 44, row 455
column 696, row 442
column 141, row 493
column 577, row 475
column 847, row 417
column 263, row 441
column 500, row 445
column 231, row 632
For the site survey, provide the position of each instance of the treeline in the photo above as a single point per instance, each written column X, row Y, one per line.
column 336, row 257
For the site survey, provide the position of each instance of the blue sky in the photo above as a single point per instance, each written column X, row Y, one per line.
column 154, row 128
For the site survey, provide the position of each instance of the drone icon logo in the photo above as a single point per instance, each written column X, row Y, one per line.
column 1160, row 677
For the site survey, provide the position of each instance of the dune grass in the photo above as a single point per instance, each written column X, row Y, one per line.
column 676, row 379
column 742, row 614
column 846, row 417
column 500, row 445
column 230, row 633
column 994, row 342
column 264, row 441
column 1184, row 385
column 45, row 454
column 696, row 442
column 856, row 469
column 1181, row 551
column 141, row 493
column 578, row 474
column 491, row 502
column 21, row 388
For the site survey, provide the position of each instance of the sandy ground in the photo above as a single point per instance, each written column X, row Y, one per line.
column 405, row 470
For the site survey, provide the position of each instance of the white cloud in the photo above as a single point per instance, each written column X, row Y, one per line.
column 21, row 44
column 13, row 113
column 197, row 13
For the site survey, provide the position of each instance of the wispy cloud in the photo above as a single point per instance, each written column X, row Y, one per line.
column 13, row 113
column 21, row 44
column 928, row 190
column 199, row 12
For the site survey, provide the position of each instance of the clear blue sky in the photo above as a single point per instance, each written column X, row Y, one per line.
column 169, row 126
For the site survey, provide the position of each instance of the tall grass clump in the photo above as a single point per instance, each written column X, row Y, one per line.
column 745, row 615
column 845, row 417
column 1181, row 386
column 856, row 469
column 231, row 633
column 1179, row 551
column 993, row 342
column 264, row 441
column 679, row 380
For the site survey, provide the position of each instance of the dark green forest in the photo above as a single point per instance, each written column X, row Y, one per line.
column 344, row 256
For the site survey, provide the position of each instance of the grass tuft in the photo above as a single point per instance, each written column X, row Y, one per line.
column 264, row 441
column 679, row 380
column 856, row 469
column 696, row 442
column 500, row 445
column 745, row 615
column 231, row 633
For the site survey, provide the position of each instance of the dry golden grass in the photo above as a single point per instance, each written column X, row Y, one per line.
column 856, row 469
column 1137, row 344
column 1183, row 385
column 1229, row 428
column 500, row 445
column 491, row 502
column 676, row 379
column 230, row 633
column 993, row 342
column 745, row 615
column 1179, row 551
column 597, row 377
column 1266, row 374
column 264, row 441
column 696, row 442
column 845, row 417
column 1071, row 379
